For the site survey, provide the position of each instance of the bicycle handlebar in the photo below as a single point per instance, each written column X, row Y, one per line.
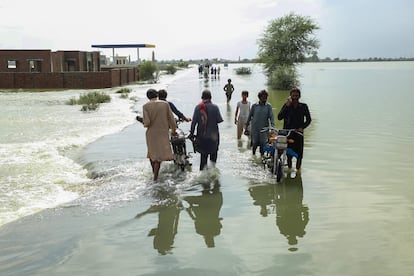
column 288, row 131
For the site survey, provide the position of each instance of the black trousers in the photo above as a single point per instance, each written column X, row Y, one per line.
column 204, row 157
column 297, row 146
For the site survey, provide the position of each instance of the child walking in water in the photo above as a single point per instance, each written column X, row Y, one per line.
column 228, row 88
column 242, row 113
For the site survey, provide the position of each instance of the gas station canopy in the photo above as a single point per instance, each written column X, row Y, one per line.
column 114, row 46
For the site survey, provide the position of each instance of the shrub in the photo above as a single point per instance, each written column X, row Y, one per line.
column 72, row 101
column 123, row 90
column 283, row 77
column 183, row 64
column 171, row 69
column 94, row 97
column 146, row 70
column 243, row 71
column 90, row 101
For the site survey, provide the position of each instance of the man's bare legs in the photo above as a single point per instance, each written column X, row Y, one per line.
column 155, row 168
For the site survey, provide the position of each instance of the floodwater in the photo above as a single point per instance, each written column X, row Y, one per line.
column 77, row 197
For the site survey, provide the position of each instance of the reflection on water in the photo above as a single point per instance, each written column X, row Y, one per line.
column 285, row 200
column 165, row 232
column 229, row 114
column 263, row 196
column 203, row 209
column 168, row 207
column 291, row 215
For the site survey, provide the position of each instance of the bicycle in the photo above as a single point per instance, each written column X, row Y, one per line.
column 276, row 150
column 178, row 143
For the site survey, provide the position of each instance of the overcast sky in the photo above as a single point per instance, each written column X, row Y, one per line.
column 193, row 29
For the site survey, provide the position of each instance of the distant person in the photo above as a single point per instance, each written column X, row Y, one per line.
column 206, row 71
column 260, row 116
column 206, row 118
column 295, row 115
column 200, row 70
column 158, row 119
column 162, row 95
column 242, row 114
column 229, row 89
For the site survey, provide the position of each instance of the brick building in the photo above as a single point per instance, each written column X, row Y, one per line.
column 45, row 69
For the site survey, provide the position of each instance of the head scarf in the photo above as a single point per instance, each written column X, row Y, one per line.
column 203, row 110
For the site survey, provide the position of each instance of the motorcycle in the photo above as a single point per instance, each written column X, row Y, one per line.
column 178, row 143
column 276, row 150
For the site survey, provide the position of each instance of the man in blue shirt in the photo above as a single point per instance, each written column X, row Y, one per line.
column 162, row 95
column 206, row 118
column 261, row 115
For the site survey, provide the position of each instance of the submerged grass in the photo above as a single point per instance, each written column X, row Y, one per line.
column 90, row 101
column 124, row 92
column 243, row 71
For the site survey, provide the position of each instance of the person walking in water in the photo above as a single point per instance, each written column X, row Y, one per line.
column 228, row 88
column 158, row 119
column 206, row 118
column 295, row 115
column 242, row 113
column 261, row 115
column 162, row 95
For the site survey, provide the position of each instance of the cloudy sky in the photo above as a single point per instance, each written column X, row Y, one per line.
column 193, row 29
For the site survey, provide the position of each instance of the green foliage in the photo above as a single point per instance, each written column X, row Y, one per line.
column 243, row 71
column 124, row 96
column 183, row 64
column 146, row 70
column 124, row 90
column 283, row 77
column 170, row 69
column 285, row 42
column 90, row 101
column 72, row 101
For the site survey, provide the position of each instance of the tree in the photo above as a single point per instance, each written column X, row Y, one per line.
column 146, row 70
column 285, row 42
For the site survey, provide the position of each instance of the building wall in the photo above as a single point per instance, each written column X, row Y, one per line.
column 64, row 80
column 60, row 70
column 58, row 60
column 88, row 80
column 22, row 57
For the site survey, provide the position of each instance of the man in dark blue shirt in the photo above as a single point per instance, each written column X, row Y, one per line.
column 206, row 118
column 296, row 116
column 162, row 95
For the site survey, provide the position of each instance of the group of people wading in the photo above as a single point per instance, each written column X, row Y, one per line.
column 250, row 118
